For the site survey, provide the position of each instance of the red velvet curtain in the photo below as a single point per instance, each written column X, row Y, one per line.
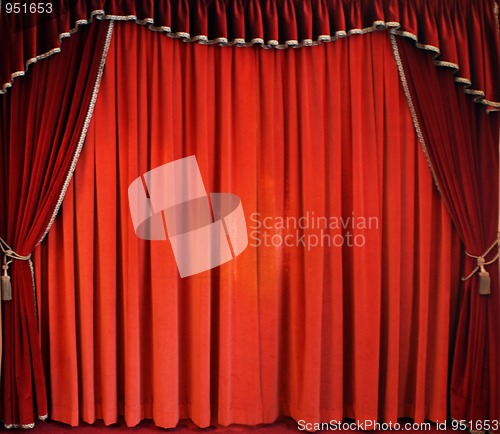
column 316, row 332
column 41, row 123
column 462, row 34
column 462, row 143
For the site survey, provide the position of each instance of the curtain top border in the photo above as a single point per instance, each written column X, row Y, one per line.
column 394, row 27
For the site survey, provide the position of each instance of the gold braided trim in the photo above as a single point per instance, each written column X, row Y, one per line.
column 496, row 13
column 23, row 426
column 26, row 425
column 413, row 112
column 5, row 86
column 83, row 134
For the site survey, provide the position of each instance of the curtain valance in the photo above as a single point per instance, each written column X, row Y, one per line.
column 463, row 35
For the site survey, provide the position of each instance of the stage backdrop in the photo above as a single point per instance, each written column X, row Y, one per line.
column 343, row 302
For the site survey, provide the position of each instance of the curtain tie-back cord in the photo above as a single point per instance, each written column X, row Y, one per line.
column 8, row 256
column 484, row 276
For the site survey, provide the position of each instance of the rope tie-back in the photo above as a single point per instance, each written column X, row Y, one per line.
column 484, row 276
column 8, row 256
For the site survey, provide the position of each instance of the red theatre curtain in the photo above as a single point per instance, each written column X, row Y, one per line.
column 351, row 319
column 41, row 123
column 462, row 143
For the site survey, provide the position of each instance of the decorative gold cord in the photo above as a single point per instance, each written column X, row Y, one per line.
column 9, row 252
column 481, row 262
column 8, row 256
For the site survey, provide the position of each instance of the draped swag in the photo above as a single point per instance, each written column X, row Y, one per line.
column 460, row 36
column 463, row 34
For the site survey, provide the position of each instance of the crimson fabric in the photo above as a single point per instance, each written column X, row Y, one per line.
column 318, row 333
column 40, row 125
column 462, row 143
column 462, row 34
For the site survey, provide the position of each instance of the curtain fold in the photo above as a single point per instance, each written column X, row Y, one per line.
column 463, row 35
column 293, row 326
column 41, row 123
column 462, row 147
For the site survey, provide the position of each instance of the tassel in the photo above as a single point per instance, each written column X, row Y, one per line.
column 484, row 282
column 6, row 288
